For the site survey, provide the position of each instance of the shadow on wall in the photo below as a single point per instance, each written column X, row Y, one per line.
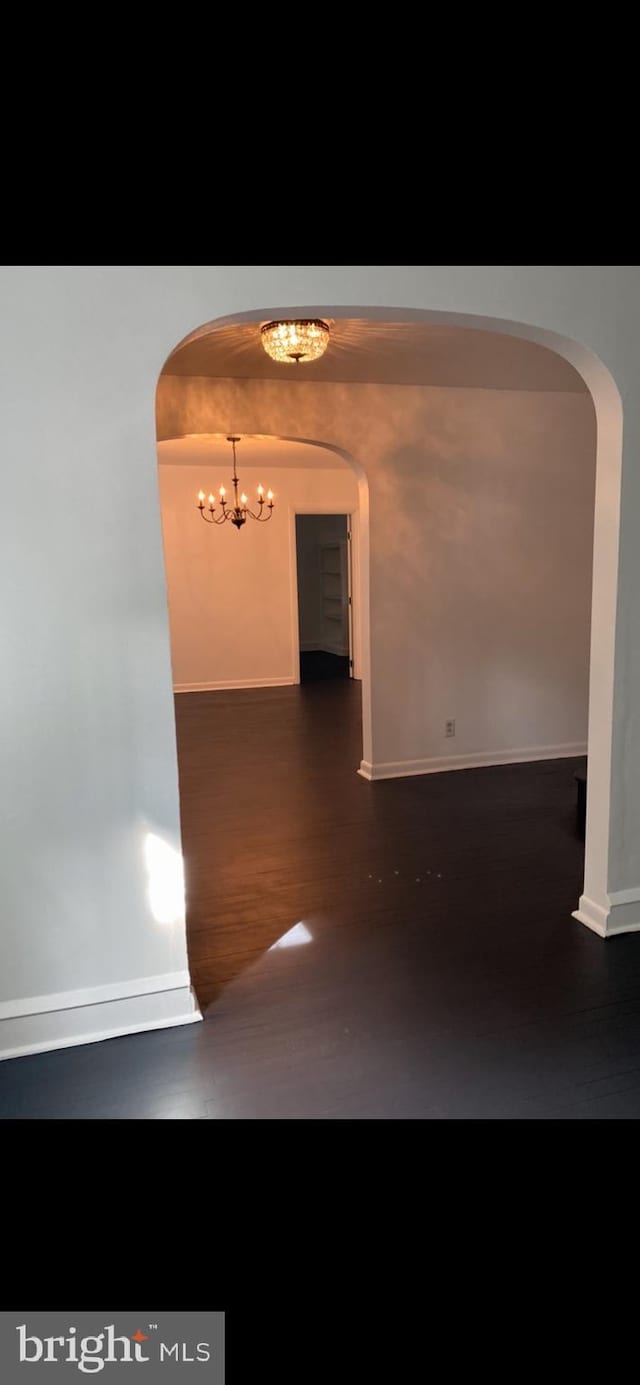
column 498, row 588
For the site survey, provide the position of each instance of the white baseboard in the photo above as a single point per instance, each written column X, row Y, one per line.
column 442, row 764
column 592, row 915
column 621, row 916
column 233, row 683
column 38, row 1024
column 617, row 897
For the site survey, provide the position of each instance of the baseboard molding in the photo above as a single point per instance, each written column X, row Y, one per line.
column 624, row 896
column 622, row 915
column 233, row 683
column 442, row 764
column 38, row 1024
column 592, row 915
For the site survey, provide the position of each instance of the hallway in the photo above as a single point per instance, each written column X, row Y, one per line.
column 434, row 968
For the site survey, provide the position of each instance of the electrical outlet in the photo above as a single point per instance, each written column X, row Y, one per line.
column 450, row 727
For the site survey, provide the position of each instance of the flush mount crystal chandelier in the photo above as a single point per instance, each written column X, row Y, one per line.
column 238, row 511
column 303, row 340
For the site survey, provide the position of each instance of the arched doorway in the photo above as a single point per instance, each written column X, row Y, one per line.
column 233, row 604
column 96, row 753
column 595, row 906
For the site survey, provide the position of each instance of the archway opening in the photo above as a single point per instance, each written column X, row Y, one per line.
column 252, row 402
column 243, row 719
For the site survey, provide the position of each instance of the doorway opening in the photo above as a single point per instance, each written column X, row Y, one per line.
column 257, row 752
column 452, row 559
column 324, row 583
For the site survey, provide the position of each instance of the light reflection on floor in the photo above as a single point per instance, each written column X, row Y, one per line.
column 296, row 935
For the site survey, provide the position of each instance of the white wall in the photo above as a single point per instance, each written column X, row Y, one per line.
column 481, row 511
column 317, row 631
column 88, row 758
column 232, row 598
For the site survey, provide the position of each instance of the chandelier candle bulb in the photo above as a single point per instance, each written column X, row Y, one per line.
column 201, row 496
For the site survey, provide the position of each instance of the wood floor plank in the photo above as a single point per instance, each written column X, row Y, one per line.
column 438, row 972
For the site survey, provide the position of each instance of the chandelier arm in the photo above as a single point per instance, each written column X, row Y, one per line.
column 261, row 518
column 230, row 512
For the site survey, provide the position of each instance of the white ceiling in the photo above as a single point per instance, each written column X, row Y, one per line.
column 401, row 353
column 252, row 452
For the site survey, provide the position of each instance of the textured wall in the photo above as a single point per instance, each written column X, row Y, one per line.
column 481, row 513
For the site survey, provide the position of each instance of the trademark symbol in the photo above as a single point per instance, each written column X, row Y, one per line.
column 153, row 1326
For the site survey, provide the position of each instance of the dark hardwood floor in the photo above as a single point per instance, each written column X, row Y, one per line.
column 434, row 968
column 317, row 663
column 264, row 824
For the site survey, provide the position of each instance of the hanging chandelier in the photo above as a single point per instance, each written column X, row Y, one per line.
column 303, row 340
column 238, row 511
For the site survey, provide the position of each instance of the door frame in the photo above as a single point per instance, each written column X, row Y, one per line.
column 353, row 556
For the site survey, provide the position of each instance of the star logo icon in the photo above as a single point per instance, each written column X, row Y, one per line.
column 139, row 1336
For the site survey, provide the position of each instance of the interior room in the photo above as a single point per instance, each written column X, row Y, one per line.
column 486, row 520
column 385, row 680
